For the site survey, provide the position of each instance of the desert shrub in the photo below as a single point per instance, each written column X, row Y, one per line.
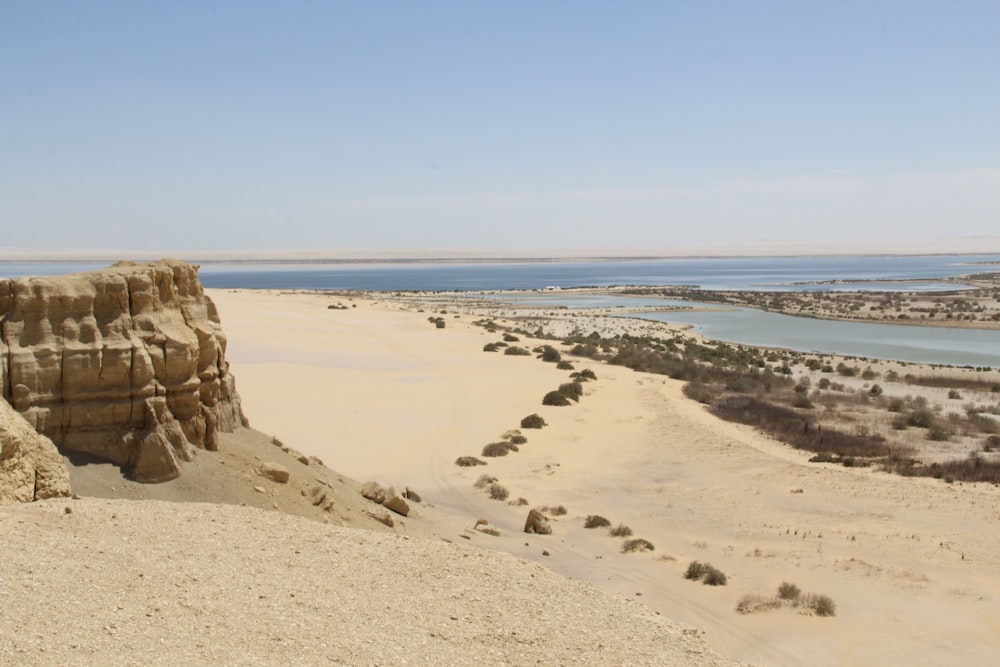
column 571, row 390
column 822, row 605
column 714, row 577
column 586, row 350
column 788, row 591
column 869, row 374
column 802, row 401
column 876, row 390
column 510, row 338
column 559, row 510
column 501, row 448
column 595, row 521
column 703, row 393
column 490, row 347
column 795, row 429
column 564, row 366
column 550, row 354
column 938, row 433
column 519, row 502
column 991, row 443
column 954, row 394
column 845, row 370
column 469, row 461
column 498, row 492
column 517, row 440
column 533, row 421
column 895, row 405
column 824, row 383
column 696, row 570
column 751, row 603
column 638, row 544
column 516, row 351
column 555, row 398
column 439, row 323
column 621, row 530
column 585, row 374
column 484, row 481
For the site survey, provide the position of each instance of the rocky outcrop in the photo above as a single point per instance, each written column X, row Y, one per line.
column 30, row 466
column 126, row 364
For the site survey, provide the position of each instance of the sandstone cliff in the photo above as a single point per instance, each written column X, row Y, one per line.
column 30, row 466
column 126, row 364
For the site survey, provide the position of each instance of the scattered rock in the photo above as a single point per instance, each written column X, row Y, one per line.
column 374, row 492
column 395, row 502
column 259, row 489
column 410, row 494
column 537, row 523
column 382, row 517
column 275, row 472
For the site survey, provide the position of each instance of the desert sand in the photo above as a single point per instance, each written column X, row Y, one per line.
column 378, row 392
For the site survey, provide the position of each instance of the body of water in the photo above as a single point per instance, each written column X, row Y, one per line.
column 718, row 273
column 746, row 325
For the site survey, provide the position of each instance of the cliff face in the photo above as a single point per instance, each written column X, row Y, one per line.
column 125, row 363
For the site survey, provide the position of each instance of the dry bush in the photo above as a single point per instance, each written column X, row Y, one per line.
column 510, row 338
column 559, row 510
column 533, row 421
column 755, row 602
column 595, row 521
column 714, row 577
column 788, row 591
column 484, row 481
column 517, row 440
column 822, row 605
column 516, row 351
column 696, row 570
column 637, row 544
column 498, row 492
column 584, row 375
column 708, row 574
column 519, row 502
column 501, row 448
column 621, row 530
column 555, row 398
column 550, row 354
column 564, row 366
column 490, row 347
column 571, row 390
column 469, row 461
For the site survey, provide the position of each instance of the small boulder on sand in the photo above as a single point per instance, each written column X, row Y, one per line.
column 373, row 491
column 395, row 502
column 274, row 472
column 537, row 523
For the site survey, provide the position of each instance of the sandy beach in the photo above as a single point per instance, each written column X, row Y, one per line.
column 379, row 392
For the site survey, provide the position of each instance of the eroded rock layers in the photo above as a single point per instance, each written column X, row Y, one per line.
column 126, row 364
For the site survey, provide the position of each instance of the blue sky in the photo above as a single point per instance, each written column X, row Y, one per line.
column 434, row 125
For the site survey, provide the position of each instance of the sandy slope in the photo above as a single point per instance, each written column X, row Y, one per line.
column 378, row 392
column 120, row 582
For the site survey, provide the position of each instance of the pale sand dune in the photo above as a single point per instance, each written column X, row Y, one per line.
column 378, row 392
